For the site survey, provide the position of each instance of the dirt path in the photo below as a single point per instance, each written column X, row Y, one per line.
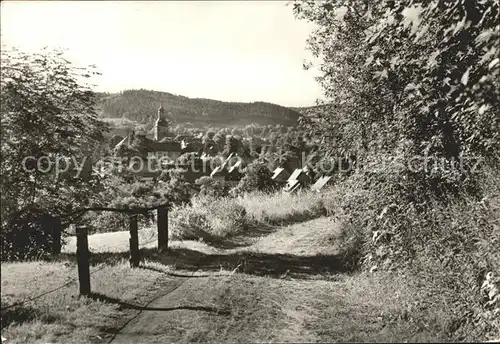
column 150, row 321
column 285, row 287
column 233, row 309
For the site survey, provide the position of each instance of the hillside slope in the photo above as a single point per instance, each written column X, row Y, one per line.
column 141, row 106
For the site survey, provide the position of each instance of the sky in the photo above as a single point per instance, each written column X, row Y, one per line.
column 225, row 50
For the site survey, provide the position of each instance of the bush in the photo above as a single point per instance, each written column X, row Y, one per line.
column 211, row 187
column 188, row 223
column 422, row 76
column 208, row 218
column 257, row 178
column 30, row 235
column 459, row 247
column 227, row 218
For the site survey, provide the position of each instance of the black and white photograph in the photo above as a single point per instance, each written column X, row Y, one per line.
column 287, row 171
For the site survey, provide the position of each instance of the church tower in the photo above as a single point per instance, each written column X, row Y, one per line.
column 161, row 125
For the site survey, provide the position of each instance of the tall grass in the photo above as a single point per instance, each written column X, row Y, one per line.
column 207, row 218
column 282, row 207
column 211, row 219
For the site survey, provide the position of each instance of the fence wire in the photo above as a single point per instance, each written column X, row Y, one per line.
column 68, row 283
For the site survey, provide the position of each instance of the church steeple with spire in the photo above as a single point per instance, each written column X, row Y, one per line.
column 161, row 111
column 161, row 125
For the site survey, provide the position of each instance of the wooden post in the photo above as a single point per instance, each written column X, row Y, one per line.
column 166, row 228
column 162, row 224
column 82, row 256
column 134, row 242
column 56, row 236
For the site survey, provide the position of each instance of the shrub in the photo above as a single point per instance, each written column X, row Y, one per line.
column 29, row 235
column 208, row 218
column 226, row 218
column 257, row 178
column 188, row 223
column 211, row 187
column 212, row 218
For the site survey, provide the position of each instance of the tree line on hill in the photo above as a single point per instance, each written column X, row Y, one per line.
column 141, row 105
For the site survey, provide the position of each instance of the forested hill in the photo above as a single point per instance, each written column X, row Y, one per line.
column 141, row 106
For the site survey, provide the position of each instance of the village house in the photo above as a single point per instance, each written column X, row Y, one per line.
column 219, row 173
column 165, row 149
column 298, row 179
column 321, row 183
column 234, row 171
column 195, row 168
column 229, row 172
column 280, row 175
column 189, row 145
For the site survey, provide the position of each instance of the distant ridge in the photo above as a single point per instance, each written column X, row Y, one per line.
column 141, row 105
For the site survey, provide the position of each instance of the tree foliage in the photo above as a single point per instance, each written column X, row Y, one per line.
column 415, row 78
column 47, row 117
column 47, row 111
column 257, row 178
column 211, row 187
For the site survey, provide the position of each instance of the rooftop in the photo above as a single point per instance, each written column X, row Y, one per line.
column 320, row 183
